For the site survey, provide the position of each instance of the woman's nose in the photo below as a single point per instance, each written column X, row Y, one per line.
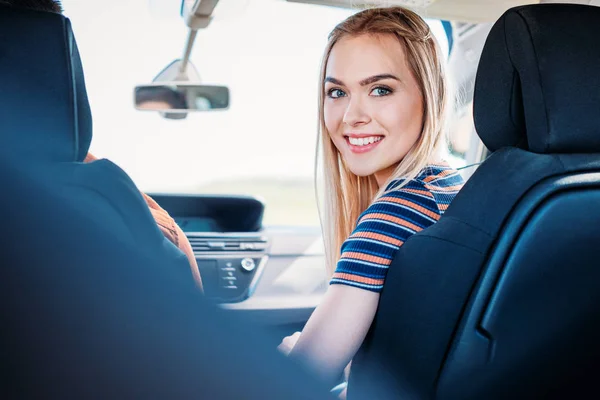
column 356, row 114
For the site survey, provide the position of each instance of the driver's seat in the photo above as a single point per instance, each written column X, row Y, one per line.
column 501, row 297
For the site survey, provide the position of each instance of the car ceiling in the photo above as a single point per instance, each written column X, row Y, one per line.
column 452, row 10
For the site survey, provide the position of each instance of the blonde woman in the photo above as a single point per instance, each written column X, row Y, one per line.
column 383, row 107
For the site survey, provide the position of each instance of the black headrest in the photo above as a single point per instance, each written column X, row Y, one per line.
column 538, row 81
column 44, row 110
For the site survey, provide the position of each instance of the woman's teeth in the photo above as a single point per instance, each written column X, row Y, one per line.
column 364, row 141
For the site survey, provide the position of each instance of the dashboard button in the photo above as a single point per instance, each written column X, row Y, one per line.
column 248, row 264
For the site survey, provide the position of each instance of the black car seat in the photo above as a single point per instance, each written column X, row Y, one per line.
column 85, row 315
column 501, row 297
column 46, row 130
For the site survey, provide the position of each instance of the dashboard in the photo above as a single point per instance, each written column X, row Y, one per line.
column 275, row 274
column 197, row 224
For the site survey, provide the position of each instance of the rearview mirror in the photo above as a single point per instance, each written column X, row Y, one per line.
column 181, row 97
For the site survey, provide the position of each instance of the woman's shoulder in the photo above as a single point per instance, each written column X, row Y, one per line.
column 405, row 200
column 440, row 175
column 432, row 190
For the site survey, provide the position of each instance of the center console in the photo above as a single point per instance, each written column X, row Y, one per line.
column 225, row 234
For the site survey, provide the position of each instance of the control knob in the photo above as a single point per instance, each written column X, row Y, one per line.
column 248, row 264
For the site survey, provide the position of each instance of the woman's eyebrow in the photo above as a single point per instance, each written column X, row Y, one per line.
column 364, row 82
column 334, row 81
column 375, row 78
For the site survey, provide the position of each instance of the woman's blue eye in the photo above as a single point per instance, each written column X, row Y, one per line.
column 381, row 91
column 336, row 93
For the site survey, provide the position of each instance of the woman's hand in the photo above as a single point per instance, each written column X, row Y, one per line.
column 288, row 343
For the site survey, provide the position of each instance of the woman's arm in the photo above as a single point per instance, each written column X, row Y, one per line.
column 338, row 326
column 336, row 330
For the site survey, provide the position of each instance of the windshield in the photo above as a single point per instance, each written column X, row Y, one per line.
column 267, row 52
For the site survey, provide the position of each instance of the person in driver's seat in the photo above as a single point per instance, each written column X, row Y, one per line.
column 164, row 221
column 384, row 102
column 170, row 229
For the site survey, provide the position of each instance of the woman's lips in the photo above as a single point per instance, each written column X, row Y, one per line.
column 362, row 148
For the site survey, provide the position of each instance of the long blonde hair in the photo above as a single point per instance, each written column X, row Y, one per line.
column 347, row 195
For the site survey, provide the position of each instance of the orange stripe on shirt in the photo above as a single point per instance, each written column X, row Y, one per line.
column 434, row 188
column 377, row 236
column 366, row 257
column 422, row 192
column 357, row 278
column 412, row 205
column 442, row 174
column 390, row 218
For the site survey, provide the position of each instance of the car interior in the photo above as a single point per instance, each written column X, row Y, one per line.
column 99, row 304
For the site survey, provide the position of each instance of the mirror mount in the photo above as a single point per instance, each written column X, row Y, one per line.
column 180, row 70
column 197, row 14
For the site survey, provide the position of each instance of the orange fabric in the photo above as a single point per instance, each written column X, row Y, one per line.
column 170, row 229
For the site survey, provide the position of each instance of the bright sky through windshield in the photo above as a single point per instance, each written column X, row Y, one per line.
column 268, row 53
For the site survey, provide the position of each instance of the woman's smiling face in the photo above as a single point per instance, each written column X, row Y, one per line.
column 373, row 107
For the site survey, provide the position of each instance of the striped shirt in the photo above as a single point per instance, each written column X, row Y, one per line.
column 391, row 219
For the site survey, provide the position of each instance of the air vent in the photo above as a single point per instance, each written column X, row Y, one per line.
column 227, row 244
